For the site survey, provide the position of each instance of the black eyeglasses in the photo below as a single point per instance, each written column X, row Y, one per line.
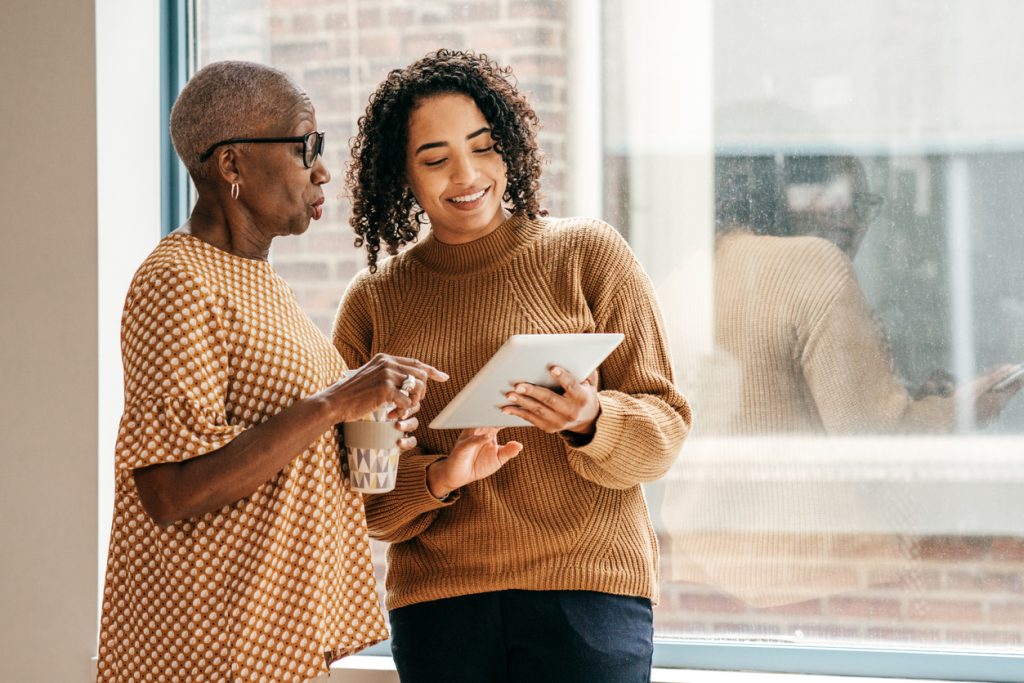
column 867, row 205
column 312, row 145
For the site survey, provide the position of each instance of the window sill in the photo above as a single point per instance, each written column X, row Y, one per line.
column 381, row 669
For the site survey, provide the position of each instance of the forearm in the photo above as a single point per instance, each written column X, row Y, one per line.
column 410, row 508
column 174, row 491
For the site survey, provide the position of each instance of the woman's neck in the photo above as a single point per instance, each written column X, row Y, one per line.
column 229, row 231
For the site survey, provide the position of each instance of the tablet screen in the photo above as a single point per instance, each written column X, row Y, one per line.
column 522, row 358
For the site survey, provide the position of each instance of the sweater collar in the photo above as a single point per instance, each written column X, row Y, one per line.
column 490, row 250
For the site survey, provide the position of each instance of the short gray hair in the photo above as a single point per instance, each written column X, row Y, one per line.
column 226, row 100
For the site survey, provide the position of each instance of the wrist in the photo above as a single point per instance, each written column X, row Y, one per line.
column 435, row 480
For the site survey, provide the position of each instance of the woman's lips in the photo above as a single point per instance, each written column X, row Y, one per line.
column 463, row 205
column 318, row 209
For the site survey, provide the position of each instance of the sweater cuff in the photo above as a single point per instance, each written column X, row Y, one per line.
column 411, row 493
column 608, row 432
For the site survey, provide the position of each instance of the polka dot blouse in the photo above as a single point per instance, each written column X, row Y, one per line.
column 277, row 585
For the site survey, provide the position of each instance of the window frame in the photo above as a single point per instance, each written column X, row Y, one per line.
column 177, row 59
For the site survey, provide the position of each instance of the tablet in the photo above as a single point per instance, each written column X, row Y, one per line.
column 522, row 358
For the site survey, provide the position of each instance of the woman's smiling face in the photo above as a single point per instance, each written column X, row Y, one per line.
column 453, row 169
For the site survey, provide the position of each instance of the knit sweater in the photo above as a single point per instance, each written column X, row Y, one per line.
column 790, row 312
column 559, row 516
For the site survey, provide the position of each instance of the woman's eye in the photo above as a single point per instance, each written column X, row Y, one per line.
column 436, row 162
column 484, row 150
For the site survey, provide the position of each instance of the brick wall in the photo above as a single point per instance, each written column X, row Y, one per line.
column 339, row 50
column 926, row 591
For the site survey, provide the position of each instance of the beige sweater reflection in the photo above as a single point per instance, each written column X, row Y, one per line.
column 798, row 352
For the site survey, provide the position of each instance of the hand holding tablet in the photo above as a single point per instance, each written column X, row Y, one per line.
column 523, row 358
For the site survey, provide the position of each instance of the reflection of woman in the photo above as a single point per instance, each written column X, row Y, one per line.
column 237, row 552
column 804, row 356
column 540, row 567
column 791, row 312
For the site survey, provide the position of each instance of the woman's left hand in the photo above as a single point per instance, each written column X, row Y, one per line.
column 575, row 410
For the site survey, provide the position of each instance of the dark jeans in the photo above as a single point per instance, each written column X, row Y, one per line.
column 525, row 637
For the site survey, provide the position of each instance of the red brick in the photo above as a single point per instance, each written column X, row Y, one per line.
column 459, row 12
column 286, row 54
column 804, row 608
column 547, row 9
column 945, row 610
column 400, row 16
column 1007, row 613
column 301, row 270
column 710, row 604
column 1008, row 549
column 953, row 548
column 985, row 581
column 381, row 45
column 369, row 17
column 875, row 608
column 540, row 65
column 419, row 44
column 902, row 578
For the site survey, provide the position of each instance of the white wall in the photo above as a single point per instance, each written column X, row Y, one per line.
column 48, row 363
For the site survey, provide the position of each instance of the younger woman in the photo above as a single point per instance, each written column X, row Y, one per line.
column 541, row 567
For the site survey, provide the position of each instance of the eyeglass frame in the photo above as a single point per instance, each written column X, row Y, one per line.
column 304, row 139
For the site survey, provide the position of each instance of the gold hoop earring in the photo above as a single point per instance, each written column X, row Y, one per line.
column 234, row 190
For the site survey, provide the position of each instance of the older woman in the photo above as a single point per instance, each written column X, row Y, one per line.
column 238, row 552
column 540, row 567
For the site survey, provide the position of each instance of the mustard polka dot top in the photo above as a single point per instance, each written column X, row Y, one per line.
column 274, row 586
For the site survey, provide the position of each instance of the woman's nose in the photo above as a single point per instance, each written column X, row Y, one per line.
column 463, row 170
column 321, row 176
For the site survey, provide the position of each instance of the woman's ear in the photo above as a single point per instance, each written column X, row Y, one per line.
column 227, row 164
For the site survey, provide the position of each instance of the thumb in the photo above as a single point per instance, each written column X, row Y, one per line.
column 509, row 450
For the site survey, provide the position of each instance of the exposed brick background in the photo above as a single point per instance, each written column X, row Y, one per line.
column 339, row 50
column 939, row 591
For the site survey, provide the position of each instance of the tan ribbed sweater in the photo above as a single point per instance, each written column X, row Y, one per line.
column 555, row 517
column 790, row 312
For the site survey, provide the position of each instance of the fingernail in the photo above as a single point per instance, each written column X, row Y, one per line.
column 556, row 371
column 512, row 397
column 521, row 388
column 506, row 411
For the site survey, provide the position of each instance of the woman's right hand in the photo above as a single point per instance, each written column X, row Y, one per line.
column 476, row 455
column 989, row 400
column 381, row 381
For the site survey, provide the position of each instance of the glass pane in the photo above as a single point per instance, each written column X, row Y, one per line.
column 836, row 312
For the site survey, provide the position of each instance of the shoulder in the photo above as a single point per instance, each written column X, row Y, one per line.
column 591, row 231
column 591, row 239
column 803, row 257
column 171, row 266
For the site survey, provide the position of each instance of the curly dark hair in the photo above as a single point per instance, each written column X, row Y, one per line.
column 383, row 208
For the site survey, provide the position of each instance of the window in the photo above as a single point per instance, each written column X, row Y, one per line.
column 826, row 196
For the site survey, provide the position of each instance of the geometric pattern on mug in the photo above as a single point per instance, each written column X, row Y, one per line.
column 373, row 469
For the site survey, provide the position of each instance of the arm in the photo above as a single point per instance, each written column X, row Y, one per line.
column 175, row 438
column 630, row 431
column 409, row 508
column 848, row 369
column 174, row 491
column 643, row 418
